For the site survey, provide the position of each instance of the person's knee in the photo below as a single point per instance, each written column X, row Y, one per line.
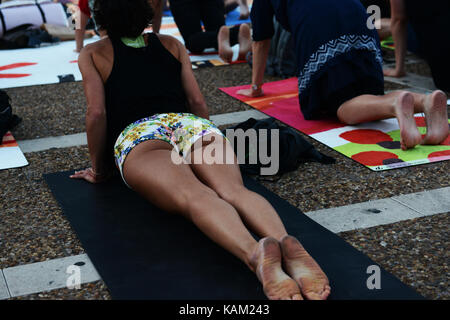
column 232, row 193
column 194, row 201
column 193, row 46
column 344, row 116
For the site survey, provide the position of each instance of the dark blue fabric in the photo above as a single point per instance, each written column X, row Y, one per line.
column 345, row 77
column 323, row 30
column 430, row 23
column 312, row 22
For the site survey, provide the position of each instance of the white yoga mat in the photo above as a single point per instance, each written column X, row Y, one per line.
column 29, row 67
column 10, row 154
column 46, row 65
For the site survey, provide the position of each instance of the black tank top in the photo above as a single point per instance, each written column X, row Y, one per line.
column 143, row 82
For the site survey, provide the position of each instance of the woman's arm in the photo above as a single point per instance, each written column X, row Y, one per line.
column 80, row 30
column 158, row 11
column 263, row 30
column 196, row 101
column 260, row 54
column 95, row 117
column 399, row 27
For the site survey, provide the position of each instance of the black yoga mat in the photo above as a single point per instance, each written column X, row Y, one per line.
column 143, row 253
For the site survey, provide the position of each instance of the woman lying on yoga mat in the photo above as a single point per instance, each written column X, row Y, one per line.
column 341, row 67
column 140, row 90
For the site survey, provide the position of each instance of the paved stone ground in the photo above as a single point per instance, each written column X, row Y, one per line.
column 33, row 228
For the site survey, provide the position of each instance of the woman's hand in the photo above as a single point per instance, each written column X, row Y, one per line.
column 89, row 175
column 252, row 93
column 394, row 73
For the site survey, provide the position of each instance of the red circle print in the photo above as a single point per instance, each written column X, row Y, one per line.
column 373, row 158
column 446, row 142
column 365, row 136
column 420, row 122
column 439, row 154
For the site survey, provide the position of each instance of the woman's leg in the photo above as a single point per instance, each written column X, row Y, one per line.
column 150, row 171
column 188, row 18
column 402, row 105
column 229, row 36
column 212, row 14
column 225, row 178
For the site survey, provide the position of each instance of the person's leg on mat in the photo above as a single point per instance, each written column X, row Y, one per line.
column 226, row 39
column 402, row 105
column 212, row 14
column 256, row 212
column 150, row 171
column 186, row 14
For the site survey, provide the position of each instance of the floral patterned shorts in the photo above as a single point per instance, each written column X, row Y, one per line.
column 181, row 130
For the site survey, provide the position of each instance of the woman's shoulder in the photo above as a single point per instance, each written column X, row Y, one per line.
column 172, row 44
column 98, row 55
column 98, row 46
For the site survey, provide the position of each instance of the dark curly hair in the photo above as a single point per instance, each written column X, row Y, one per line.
column 123, row 18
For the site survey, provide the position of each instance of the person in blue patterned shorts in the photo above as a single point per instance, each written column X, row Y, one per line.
column 340, row 67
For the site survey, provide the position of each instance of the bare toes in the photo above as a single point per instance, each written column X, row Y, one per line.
column 435, row 109
column 404, row 109
column 268, row 267
column 304, row 270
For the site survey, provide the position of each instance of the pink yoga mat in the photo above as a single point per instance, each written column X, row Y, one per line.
column 281, row 102
column 375, row 144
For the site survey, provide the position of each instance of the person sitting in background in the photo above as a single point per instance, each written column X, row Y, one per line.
column 85, row 7
column 146, row 112
column 431, row 23
column 340, row 65
column 189, row 15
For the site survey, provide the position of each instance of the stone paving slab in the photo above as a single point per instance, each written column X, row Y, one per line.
column 4, row 292
column 363, row 215
column 49, row 275
column 428, row 203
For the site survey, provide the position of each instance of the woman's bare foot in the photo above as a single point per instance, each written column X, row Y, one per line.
column 404, row 111
column 302, row 268
column 225, row 51
column 266, row 262
column 435, row 109
column 245, row 41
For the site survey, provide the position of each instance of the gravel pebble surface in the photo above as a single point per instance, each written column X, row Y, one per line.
column 415, row 251
column 33, row 227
